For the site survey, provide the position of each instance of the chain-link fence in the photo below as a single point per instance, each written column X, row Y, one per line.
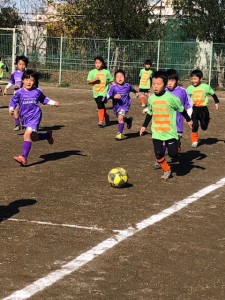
column 66, row 61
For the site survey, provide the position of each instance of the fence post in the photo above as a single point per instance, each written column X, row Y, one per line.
column 158, row 53
column 60, row 60
column 210, row 63
column 14, row 49
column 108, row 57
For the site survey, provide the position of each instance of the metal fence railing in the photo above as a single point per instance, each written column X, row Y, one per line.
column 66, row 61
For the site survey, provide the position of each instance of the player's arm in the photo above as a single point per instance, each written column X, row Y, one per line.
column 216, row 100
column 145, row 124
column 187, row 117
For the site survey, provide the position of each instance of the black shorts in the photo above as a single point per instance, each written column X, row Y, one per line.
column 144, row 90
column 100, row 101
column 200, row 115
column 171, row 145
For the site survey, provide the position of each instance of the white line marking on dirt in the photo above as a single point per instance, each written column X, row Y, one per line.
column 75, row 264
column 54, row 224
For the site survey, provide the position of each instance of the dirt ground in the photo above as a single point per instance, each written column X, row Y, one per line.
column 180, row 257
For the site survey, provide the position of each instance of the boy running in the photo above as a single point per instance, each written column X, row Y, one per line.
column 199, row 92
column 145, row 81
column 162, row 107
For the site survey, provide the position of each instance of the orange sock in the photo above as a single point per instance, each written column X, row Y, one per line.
column 164, row 165
column 142, row 99
column 101, row 113
column 194, row 137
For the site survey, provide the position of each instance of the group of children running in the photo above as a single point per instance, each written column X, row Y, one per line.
column 167, row 106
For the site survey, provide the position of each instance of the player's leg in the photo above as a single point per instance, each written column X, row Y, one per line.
column 195, row 126
column 160, row 157
column 27, row 143
column 121, row 116
column 204, row 117
column 17, row 119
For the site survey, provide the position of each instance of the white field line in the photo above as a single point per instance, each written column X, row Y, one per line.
column 53, row 224
column 81, row 260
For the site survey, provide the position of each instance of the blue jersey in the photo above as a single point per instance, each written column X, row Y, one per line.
column 29, row 110
column 124, row 91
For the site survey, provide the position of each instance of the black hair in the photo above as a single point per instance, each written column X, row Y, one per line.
column 23, row 58
column 119, row 71
column 161, row 74
column 31, row 73
column 172, row 74
column 148, row 62
column 197, row 73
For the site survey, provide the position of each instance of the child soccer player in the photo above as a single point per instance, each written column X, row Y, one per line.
column 180, row 92
column 16, row 80
column 100, row 79
column 120, row 95
column 28, row 98
column 145, row 81
column 162, row 107
column 199, row 92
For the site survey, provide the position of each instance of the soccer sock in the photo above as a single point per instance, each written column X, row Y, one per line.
column 164, row 165
column 194, row 137
column 17, row 121
column 43, row 136
column 142, row 99
column 101, row 113
column 120, row 127
column 26, row 148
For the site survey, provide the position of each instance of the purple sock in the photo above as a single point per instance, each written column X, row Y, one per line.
column 26, row 148
column 43, row 136
column 17, row 121
column 121, row 127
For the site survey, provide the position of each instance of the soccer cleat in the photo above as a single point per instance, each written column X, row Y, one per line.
column 50, row 137
column 21, row 160
column 101, row 124
column 143, row 105
column 107, row 122
column 129, row 122
column 156, row 165
column 17, row 128
column 119, row 136
column 194, row 145
column 166, row 175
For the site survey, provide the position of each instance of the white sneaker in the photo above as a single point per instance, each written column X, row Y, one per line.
column 194, row 145
column 166, row 175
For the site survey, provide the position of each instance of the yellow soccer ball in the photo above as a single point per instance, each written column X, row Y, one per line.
column 118, row 177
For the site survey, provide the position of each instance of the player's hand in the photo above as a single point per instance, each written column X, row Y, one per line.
column 216, row 106
column 142, row 130
column 144, row 111
column 5, row 92
column 11, row 111
column 190, row 123
column 56, row 104
column 137, row 95
column 117, row 96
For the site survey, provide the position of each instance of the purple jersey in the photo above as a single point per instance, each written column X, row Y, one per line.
column 29, row 110
column 16, row 79
column 125, row 101
column 185, row 100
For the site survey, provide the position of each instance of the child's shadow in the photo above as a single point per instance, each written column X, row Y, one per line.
column 54, row 127
column 133, row 135
column 186, row 162
column 56, row 156
column 13, row 208
column 209, row 141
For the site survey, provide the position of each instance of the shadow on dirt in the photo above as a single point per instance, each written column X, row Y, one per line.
column 185, row 162
column 56, row 156
column 13, row 208
column 209, row 141
column 133, row 135
column 54, row 127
